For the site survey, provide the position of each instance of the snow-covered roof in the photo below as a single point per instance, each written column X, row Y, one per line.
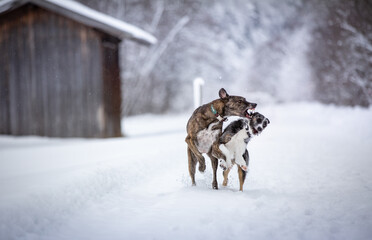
column 87, row 16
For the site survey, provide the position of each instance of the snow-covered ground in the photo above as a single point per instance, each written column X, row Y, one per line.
column 310, row 178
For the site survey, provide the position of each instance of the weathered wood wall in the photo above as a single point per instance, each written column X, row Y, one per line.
column 111, row 86
column 57, row 77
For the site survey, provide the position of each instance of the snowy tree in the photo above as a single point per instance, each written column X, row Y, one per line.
column 268, row 50
column 341, row 53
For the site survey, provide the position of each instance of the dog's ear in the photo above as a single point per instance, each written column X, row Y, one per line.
column 223, row 94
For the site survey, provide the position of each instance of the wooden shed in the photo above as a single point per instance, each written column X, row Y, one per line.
column 59, row 69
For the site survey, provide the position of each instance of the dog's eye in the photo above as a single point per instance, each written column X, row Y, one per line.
column 259, row 120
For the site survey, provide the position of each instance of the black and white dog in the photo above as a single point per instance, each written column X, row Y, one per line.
column 233, row 143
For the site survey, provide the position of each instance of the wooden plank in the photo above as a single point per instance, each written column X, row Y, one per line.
column 11, row 82
column 98, row 86
column 65, row 95
column 112, row 87
column 4, row 82
column 35, row 119
column 83, row 55
column 74, row 114
column 22, row 71
column 41, row 65
column 81, row 100
column 54, row 87
column 70, row 79
column 36, row 87
column 14, row 83
column 92, row 73
column 45, row 51
column 98, row 107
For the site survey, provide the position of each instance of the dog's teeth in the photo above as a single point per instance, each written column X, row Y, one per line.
column 250, row 111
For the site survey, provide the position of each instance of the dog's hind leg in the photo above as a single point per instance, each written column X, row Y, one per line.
column 239, row 157
column 214, row 167
column 242, row 174
column 195, row 153
column 192, row 165
column 225, row 177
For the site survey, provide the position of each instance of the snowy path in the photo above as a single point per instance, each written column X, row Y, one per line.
column 310, row 178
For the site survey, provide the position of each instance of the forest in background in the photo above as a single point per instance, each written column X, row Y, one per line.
column 268, row 51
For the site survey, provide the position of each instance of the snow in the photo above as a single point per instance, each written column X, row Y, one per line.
column 310, row 177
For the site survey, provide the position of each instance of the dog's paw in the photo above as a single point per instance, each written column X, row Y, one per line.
column 244, row 167
column 202, row 167
column 229, row 164
column 224, row 168
column 223, row 164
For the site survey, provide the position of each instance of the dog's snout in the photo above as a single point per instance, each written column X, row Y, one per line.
column 259, row 129
column 254, row 105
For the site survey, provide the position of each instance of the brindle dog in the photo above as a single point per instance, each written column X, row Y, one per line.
column 204, row 128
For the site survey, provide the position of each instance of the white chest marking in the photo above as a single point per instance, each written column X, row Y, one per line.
column 235, row 148
column 206, row 137
column 237, row 144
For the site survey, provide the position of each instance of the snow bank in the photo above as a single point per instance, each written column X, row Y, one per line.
column 310, row 178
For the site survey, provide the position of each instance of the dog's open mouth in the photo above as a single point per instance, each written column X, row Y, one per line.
column 249, row 112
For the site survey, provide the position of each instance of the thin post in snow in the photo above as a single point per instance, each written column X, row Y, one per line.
column 198, row 83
